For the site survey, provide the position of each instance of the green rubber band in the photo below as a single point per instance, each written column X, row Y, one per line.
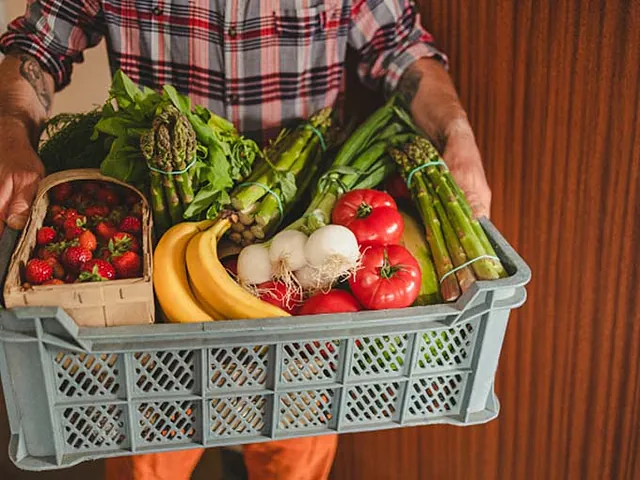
column 420, row 167
column 173, row 172
column 270, row 192
column 466, row 264
column 319, row 135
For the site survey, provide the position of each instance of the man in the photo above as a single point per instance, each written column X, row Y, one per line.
column 258, row 63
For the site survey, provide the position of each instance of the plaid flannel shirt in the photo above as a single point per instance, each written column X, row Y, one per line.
column 258, row 63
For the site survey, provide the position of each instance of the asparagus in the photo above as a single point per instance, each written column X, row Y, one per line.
column 421, row 152
column 465, row 275
column 433, row 230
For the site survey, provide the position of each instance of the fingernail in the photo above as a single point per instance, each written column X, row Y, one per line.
column 17, row 222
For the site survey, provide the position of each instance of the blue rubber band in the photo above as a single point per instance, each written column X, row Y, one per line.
column 270, row 192
column 466, row 264
column 319, row 135
column 173, row 172
column 420, row 167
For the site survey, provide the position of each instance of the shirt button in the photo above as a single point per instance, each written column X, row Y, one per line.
column 232, row 32
column 157, row 11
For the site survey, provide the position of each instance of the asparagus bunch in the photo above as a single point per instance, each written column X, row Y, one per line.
column 454, row 235
column 288, row 166
column 169, row 147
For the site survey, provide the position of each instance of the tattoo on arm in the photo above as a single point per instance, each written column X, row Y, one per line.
column 32, row 72
column 409, row 83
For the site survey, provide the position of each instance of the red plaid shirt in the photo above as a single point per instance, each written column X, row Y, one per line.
column 258, row 63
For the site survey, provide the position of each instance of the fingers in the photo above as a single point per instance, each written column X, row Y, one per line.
column 481, row 207
column 19, row 207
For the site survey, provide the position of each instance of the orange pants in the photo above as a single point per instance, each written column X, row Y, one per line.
column 307, row 458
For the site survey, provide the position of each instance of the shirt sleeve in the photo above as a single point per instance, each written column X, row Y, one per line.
column 389, row 37
column 55, row 33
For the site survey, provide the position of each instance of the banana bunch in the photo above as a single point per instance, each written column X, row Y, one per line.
column 191, row 283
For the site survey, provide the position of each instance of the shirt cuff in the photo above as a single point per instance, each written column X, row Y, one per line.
column 57, row 66
column 414, row 52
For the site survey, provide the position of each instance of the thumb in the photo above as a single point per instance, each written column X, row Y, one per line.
column 18, row 210
column 479, row 206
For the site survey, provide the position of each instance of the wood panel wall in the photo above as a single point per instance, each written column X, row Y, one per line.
column 553, row 91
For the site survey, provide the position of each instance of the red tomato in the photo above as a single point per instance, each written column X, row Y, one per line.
column 334, row 301
column 390, row 277
column 231, row 264
column 371, row 215
column 397, row 187
column 275, row 293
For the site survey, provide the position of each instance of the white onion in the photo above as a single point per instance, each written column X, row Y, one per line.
column 287, row 251
column 333, row 249
column 311, row 279
column 254, row 266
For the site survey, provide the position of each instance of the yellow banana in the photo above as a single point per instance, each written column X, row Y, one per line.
column 213, row 283
column 170, row 279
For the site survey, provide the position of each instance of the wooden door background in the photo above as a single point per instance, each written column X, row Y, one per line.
column 552, row 89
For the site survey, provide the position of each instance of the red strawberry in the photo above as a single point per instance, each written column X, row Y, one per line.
column 97, row 270
column 130, row 225
column 124, row 242
column 136, row 210
column 104, row 253
column 73, row 227
column 54, row 281
column 52, row 212
column 80, row 200
column 38, row 271
column 117, row 214
column 131, row 198
column 45, row 235
column 105, row 230
column 96, row 211
column 52, row 250
column 90, row 188
column 70, row 278
column 107, row 195
column 74, row 257
column 127, row 265
column 88, row 240
column 58, row 270
column 61, row 193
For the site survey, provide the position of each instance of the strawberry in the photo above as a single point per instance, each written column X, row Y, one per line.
column 38, row 271
column 104, row 253
column 52, row 212
column 117, row 214
column 88, row 240
column 70, row 278
column 131, row 225
column 45, row 235
column 97, row 270
column 58, row 269
column 96, row 211
column 73, row 227
column 107, row 195
column 127, row 265
column 53, row 281
column 61, row 193
column 131, row 198
column 52, row 250
column 74, row 257
column 136, row 210
column 90, row 188
column 105, row 230
column 80, row 200
column 124, row 242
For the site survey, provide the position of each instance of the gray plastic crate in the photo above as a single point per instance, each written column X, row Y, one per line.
column 75, row 394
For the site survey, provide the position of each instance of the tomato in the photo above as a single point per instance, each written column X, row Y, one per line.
column 397, row 187
column 371, row 215
column 333, row 301
column 390, row 277
column 275, row 293
column 231, row 265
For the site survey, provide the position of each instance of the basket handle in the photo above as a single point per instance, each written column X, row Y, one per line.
column 8, row 242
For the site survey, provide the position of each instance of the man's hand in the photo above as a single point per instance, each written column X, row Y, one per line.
column 436, row 109
column 462, row 156
column 25, row 102
column 20, row 173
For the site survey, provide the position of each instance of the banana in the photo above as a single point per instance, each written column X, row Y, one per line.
column 213, row 283
column 170, row 279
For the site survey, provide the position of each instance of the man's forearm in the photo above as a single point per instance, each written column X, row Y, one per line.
column 26, row 93
column 427, row 88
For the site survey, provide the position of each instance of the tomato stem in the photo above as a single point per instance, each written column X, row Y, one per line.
column 387, row 270
column 364, row 210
